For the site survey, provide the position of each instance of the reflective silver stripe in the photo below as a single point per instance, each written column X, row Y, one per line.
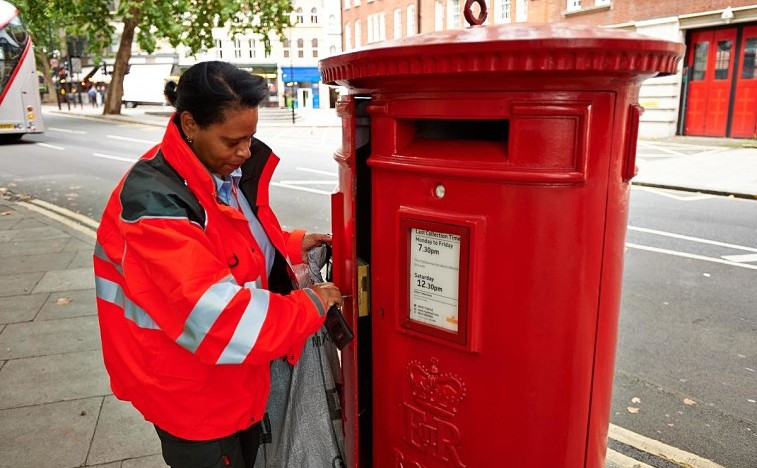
column 248, row 329
column 257, row 284
column 112, row 292
column 100, row 253
column 316, row 300
column 206, row 311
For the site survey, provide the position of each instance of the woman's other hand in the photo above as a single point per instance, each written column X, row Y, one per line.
column 313, row 240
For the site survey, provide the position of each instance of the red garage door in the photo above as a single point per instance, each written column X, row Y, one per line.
column 744, row 123
column 711, row 65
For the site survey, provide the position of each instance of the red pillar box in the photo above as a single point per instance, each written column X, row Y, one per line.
column 484, row 180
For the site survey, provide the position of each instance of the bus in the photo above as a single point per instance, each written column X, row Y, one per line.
column 20, row 106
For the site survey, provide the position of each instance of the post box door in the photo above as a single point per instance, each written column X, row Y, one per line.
column 486, row 284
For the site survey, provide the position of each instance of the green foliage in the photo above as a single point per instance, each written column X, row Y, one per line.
column 187, row 22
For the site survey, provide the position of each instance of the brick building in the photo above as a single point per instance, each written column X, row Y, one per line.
column 714, row 95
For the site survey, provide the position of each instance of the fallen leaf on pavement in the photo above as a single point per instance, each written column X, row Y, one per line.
column 63, row 300
column 688, row 401
column 632, row 410
column 635, row 400
column 5, row 213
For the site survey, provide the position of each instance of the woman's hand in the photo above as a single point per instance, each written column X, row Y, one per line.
column 329, row 294
column 313, row 240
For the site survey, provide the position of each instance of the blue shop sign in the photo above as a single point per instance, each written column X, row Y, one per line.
column 299, row 74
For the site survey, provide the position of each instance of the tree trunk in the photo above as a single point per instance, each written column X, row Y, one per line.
column 48, row 76
column 112, row 104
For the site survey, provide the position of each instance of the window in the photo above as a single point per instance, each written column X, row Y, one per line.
column 314, row 45
column 521, row 11
column 397, row 23
column 357, row 33
column 251, row 47
column 300, row 17
column 503, row 11
column 438, row 15
column 300, row 48
column 346, row 4
column 723, row 59
column 347, row 37
column 314, row 15
column 750, row 52
column 700, row 61
column 332, row 25
column 574, row 5
column 410, row 20
column 332, row 50
column 453, row 14
column 219, row 49
column 356, row 3
column 601, row 2
column 237, row 48
column 376, row 27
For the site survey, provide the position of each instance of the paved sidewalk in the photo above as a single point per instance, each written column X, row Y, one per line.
column 56, row 408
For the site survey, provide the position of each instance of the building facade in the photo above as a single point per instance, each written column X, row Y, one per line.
column 291, row 64
column 715, row 94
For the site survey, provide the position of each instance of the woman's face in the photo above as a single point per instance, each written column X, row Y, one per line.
column 222, row 147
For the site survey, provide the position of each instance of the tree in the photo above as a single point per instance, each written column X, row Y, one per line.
column 186, row 22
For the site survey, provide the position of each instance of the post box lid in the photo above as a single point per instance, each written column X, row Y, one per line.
column 512, row 48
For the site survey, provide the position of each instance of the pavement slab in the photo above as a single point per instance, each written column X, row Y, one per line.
column 34, row 263
column 122, row 433
column 27, row 248
column 82, row 258
column 14, row 285
column 45, row 337
column 67, row 304
column 56, row 435
column 21, row 308
column 66, row 280
column 28, row 223
column 36, row 234
column 50, row 379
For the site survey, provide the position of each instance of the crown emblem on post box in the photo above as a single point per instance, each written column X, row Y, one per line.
column 436, row 391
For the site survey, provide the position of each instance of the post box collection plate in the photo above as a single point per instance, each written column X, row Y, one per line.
column 434, row 279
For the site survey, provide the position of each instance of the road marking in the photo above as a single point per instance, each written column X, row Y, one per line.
column 317, row 171
column 688, row 255
column 62, row 219
column 666, row 193
column 65, row 212
column 618, row 459
column 308, row 182
column 135, row 140
column 745, row 258
column 49, row 146
column 659, row 449
column 303, row 189
column 66, row 130
column 693, row 239
column 115, row 158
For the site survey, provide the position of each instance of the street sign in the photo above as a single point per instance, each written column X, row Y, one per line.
column 76, row 64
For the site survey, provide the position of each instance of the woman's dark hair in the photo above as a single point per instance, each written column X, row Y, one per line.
column 206, row 90
column 169, row 91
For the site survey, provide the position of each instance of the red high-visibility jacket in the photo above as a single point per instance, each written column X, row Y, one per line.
column 189, row 321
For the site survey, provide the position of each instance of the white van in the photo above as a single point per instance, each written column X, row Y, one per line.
column 144, row 84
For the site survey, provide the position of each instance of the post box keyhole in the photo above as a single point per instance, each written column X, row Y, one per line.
column 439, row 191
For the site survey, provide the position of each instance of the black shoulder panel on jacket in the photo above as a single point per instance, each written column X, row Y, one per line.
column 252, row 169
column 154, row 189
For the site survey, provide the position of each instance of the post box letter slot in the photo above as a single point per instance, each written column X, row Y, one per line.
column 470, row 139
